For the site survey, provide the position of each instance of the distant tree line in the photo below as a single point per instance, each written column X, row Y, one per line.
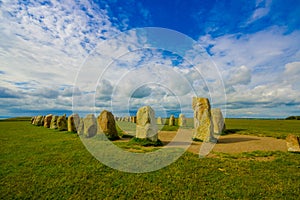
column 293, row 118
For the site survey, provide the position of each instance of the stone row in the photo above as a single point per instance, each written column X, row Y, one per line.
column 207, row 122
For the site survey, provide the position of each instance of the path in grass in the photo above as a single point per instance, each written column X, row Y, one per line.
column 234, row 143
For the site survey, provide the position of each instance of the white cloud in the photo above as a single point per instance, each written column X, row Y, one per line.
column 42, row 46
column 262, row 9
column 268, row 74
column 239, row 75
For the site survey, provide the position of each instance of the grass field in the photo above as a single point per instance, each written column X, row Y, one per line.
column 40, row 163
column 271, row 128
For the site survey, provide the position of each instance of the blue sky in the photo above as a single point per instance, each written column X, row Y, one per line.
column 44, row 45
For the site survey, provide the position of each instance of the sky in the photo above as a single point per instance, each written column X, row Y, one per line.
column 64, row 56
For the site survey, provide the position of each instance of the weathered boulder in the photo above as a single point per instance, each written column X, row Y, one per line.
column 159, row 121
column 145, row 124
column 203, row 126
column 293, row 143
column 32, row 119
column 172, row 120
column 73, row 121
column 107, row 125
column 62, row 123
column 38, row 121
column 53, row 124
column 90, row 125
column 47, row 121
column 218, row 120
column 133, row 119
column 80, row 128
column 181, row 120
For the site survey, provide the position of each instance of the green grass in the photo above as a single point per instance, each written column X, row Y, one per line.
column 145, row 142
column 40, row 163
column 270, row 128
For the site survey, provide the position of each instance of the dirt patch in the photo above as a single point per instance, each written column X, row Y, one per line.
column 234, row 143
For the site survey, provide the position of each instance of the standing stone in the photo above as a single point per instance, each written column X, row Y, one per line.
column 47, row 121
column 203, row 126
column 62, row 123
column 38, row 121
column 32, row 120
column 133, row 119
column 107, row 124
column 181, row 120
column 172, row 120
column 73, row 121
column 80, row 128
column 90, row 125
column 159, row 121
column 218, row 120
column 293, row 143
column 53, row 124
column 145, row 124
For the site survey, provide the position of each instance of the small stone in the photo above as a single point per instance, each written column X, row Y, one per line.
column 293, row 143
column 62, row 123
column 47, row 120
column 181, row 120
column 73, row 121
column 203, row 126
column 53, row 124
column 133, row 119
column 32, row 120
column 107, row 124
column 80, row 128
column 159, row 121
column 39, row 121
column 90, row 125
column 218, row 120
column 172, row 120
column 146, row 124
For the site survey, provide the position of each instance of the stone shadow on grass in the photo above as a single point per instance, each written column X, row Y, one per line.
column 234, row 140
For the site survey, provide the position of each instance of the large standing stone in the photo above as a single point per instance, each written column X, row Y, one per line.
column 172, row 120
column 203, row 126
column 218, row 120
column 107, row 124
column 32, row 120
column 80, row 128
column 73, row 121
column 47, row 120
column 53, row 124
column 90, row 125
column 133, row 119
column 293, row 143
column 181, row 120
column 159, row 121
column 145, row 124
column 38, row 120
column 62, row 123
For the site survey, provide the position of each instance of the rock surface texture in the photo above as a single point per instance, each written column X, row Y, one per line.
column 181, row 120
column 172, row 120
column 145, row 124
column 107, row 124
column 203, row 126
column 47, row 121
column 62, row 123
column 53, row 124
column 90, row 125
column 293, row 143
column 218, row 120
